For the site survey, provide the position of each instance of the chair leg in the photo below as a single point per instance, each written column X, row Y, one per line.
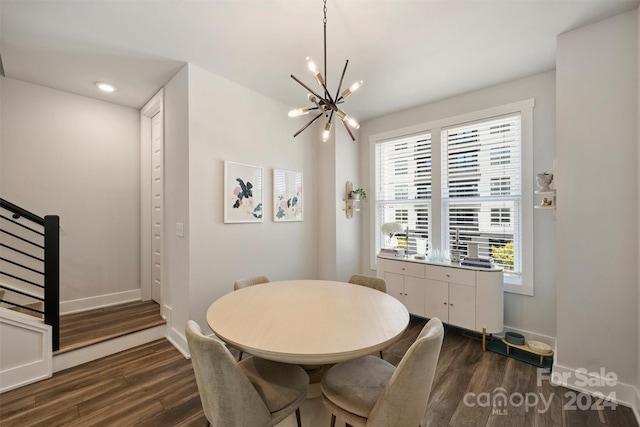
column 333, row 420
column 298, row 417
column 381, row 355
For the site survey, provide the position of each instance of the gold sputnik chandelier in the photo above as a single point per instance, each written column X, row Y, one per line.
column 326, row 105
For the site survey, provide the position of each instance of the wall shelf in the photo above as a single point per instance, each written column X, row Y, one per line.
column 352, row 203
column 552, row 193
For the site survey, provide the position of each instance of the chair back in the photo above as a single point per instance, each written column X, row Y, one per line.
column 228, row 397
column 406, row 396
column 243, row 283
column 370, row 282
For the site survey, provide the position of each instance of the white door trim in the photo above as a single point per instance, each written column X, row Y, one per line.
column 153, row 107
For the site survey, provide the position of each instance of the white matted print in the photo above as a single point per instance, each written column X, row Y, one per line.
column 242, row 193
column 287, row 195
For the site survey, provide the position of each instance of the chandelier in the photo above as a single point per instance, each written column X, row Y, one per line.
column 326, row 105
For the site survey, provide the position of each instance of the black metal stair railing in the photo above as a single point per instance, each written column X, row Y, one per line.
column 34, row 241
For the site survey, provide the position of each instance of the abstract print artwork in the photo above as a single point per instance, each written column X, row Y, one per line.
column 242, row 193
column 287, row 195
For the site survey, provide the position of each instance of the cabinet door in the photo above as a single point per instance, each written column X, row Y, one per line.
column 414, row 295
column 436, row 302
column 395, row 285
column 462, row 306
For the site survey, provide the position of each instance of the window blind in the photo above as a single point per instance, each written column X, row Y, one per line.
column 482, row 188
column 403, row 187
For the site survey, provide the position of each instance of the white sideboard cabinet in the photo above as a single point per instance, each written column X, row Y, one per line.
column 470, row 298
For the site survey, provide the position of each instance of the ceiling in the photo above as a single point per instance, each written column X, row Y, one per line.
column 408, row 52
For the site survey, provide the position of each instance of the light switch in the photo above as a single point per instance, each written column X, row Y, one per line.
column 180, row 229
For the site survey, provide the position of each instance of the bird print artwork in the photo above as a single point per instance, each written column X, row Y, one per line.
column 244, row 199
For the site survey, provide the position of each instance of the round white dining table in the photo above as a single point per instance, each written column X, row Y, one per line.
column 308, row 322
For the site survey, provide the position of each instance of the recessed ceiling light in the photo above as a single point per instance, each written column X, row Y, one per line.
column 106, row 87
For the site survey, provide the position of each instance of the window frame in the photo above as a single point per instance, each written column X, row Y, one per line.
column 414, row 207
column 520, row 285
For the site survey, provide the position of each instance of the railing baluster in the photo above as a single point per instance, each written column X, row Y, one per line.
column 52, row 276
column 50, row 259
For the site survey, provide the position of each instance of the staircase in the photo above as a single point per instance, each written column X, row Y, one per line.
column 93, row 334
column 35, row 340
column 30, row 268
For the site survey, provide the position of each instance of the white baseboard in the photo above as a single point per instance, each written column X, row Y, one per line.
column 91, row 303
column 636, row 405
column 174, row 336
column 594, row 384
column 96, row 351
column 178, row 339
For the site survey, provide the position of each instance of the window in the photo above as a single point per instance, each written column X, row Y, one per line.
column 403, row 187
column 478, row 162
column 490, row 185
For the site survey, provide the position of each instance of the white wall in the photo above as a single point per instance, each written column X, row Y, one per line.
column 229, row 122
column 78, row 158
column 348, row 246
column 597, row 227
column 175, row 289
column 327, row 203
column 535, row 314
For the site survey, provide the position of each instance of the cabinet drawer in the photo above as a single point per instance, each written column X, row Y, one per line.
column 406, row 268
column 451, row 275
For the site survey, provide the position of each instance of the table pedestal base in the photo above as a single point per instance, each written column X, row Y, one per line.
column 316, row 373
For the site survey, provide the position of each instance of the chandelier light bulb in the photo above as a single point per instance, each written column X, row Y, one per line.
column 354, row 87
column 326, row 132
column 312, row 65
column 347, row 119
column 314, row 69
column 298, row 112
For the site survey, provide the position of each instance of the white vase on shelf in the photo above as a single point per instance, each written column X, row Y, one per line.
column 543, row 181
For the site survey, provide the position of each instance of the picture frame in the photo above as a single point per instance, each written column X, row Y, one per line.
column 242, row 193
column 288, row 196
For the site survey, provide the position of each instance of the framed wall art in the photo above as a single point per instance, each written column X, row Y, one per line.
column 242, row 193
column 287, row 196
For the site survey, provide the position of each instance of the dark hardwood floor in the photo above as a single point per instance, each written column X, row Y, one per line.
column 153, row 385
column 89, row 327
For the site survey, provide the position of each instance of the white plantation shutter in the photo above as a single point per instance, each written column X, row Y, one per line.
column 482, row 188
column 403, row 186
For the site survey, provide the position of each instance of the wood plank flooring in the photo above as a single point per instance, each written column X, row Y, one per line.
column 89, row 327
column 153, row 385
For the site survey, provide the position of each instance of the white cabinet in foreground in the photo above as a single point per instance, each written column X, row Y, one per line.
column 469, row 298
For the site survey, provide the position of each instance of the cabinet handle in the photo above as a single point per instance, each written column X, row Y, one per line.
column 402, row 268
column 451, row 304
column 448, row 275
column 405, row 294
column 445, row 303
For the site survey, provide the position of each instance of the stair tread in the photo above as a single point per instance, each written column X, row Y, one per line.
column 78, row 330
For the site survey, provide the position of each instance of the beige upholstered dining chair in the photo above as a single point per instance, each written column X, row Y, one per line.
column 371, row 282
column 243, row 283
column 254, row 392
column 371, row 392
